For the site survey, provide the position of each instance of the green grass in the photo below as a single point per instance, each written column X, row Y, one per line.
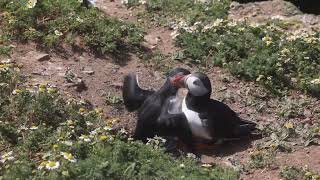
column 165, row 12
column 39, row 127
column 52, row 23
column 264, row 54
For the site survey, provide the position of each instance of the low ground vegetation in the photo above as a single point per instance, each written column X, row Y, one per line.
column 46, row 135
column 262, row 53
column 52, row 24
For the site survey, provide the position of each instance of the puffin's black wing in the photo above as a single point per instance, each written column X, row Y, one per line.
column 133, row 95
column 226, row 122
column 174, row 124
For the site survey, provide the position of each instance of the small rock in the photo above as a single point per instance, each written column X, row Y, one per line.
column 37, row 73
column 117, row 85
column 151, row 41
column 208, row 159
column 235, row 5
column 307, row 113
column 88, row 72
column 114, row 70
column 42, row 57
column 81, row 58
column 79, row 85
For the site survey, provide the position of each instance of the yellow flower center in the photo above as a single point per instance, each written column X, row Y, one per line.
column 103, row 138
column 288, row 125
column 51, row 164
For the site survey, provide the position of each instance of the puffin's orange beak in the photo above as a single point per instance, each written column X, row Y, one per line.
column 178, row 81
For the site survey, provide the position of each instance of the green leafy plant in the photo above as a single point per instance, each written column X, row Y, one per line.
column 165, row 11
column 53, row 23
column 5, row 50
column 262, row 159
column 291, row 172
column 297, row 173
column 113, row 100
column 264, row 54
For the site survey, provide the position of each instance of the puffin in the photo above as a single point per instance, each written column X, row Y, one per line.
column 147, row 125
column 200, row 118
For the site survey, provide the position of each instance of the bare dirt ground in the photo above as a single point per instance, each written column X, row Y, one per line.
column 248, row 99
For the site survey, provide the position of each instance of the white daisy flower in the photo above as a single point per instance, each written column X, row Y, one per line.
column 79, row 20
column 206, row 165
column 217, row 22
column 52, row 165
column 94, row 132
column 123, row 131
column 70, row 122
column 31, row 4
column 107, row 128
column 124, row 1
column 33, row 127
column 85, row 138
column 68, row 156
column 315, row 81
column 58, row 33
column 16, row 91
column 89, row 123
column 7, row 157
column 142, row 1
column 68, row 143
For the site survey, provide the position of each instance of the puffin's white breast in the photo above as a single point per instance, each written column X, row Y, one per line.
column 176, row 103
column 197, row 127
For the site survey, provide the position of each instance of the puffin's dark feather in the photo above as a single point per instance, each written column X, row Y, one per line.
column 133, row 95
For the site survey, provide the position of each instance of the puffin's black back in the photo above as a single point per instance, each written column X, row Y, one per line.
column 224, row 122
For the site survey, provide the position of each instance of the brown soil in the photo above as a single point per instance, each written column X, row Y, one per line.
column 248, row 99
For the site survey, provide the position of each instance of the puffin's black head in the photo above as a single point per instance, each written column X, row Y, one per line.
column 198, row 84
column 178, row 71
column 174, row 74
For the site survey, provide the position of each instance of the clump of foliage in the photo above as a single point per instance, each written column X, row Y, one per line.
column 247, row 1
column 262, row 158
column 5, row 50
column 263, row 54
column 45, row 136
column 291, row 172
column 5, row 47
column 297, row 173
column 166, row 11
column 51, row 23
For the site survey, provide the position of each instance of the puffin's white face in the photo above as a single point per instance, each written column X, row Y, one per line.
column 195, row 86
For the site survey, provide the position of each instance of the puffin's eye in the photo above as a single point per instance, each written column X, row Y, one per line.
column 197, row 82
